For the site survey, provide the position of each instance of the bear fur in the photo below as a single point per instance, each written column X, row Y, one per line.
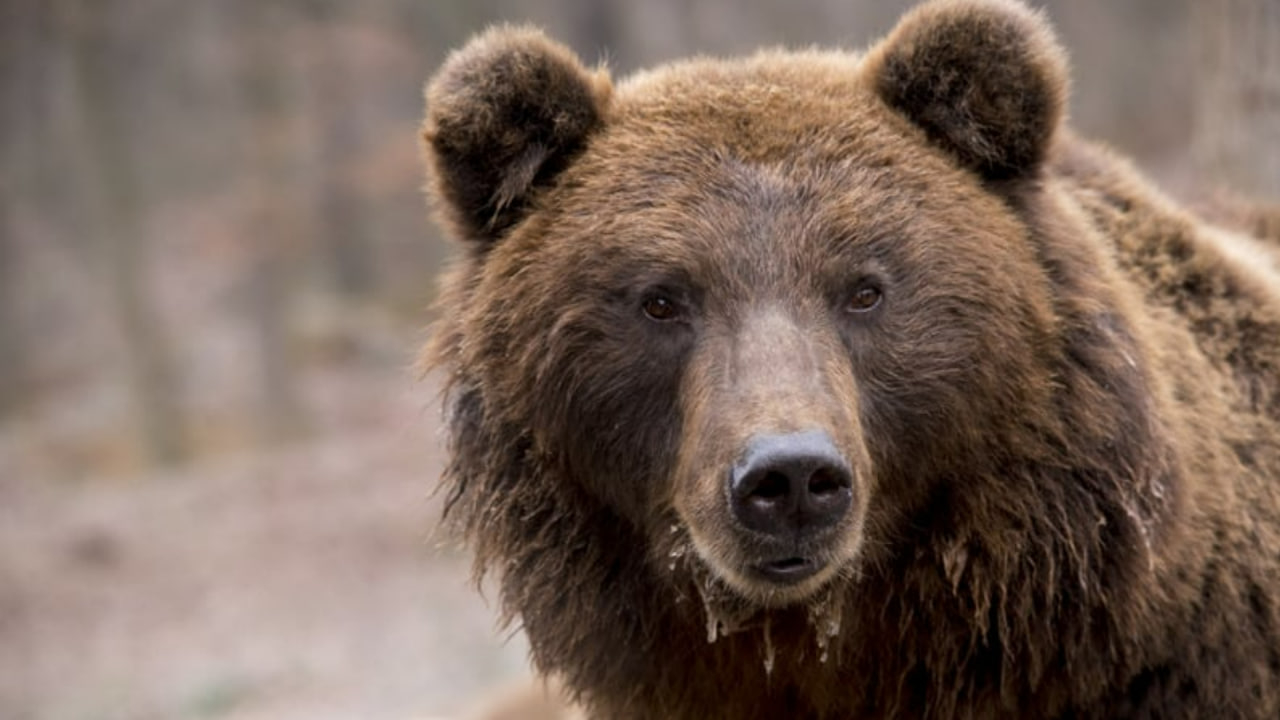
column 1055, row 394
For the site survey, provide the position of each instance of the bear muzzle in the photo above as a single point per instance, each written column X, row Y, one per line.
column 792, row 491
column 773, row 478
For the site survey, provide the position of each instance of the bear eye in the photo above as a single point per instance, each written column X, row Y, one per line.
column 864, row 299
column 660, row 308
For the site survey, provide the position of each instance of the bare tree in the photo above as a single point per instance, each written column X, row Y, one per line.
column 274, row 219
column 342, row 213
column 96, row 42
column 12, row 80
column 11, row 360
column 21, row 56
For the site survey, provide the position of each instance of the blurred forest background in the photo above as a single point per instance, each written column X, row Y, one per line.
column 215, row 269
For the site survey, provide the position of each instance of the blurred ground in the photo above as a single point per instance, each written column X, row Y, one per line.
column 303, row 582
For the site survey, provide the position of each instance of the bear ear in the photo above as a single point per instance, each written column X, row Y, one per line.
column 985, row 79
column 505, row 114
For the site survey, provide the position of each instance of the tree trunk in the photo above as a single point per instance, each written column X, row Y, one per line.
column 11, row 360
column 273, row 222
column 343, row 222
column 104, row 100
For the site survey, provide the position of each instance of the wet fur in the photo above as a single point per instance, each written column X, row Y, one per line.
column 1084, row 524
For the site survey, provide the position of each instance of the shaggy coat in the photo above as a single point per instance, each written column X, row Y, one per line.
column 1057, row 394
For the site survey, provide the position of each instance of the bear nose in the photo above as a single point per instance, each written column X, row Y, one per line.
column 795, row 484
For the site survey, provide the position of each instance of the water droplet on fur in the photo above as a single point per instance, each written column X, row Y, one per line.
column 769, row 654
column 954, row 561
column 824, row 616
column 726, row 611
column 824, row 641
column 676, row 554
column 1143, row 524
column 824, row 645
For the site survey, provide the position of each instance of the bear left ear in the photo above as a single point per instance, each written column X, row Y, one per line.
column 985, row 79
column 504, row 115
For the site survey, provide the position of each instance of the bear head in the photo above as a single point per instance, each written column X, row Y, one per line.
column 750, row 324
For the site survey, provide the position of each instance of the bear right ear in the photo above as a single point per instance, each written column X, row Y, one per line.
column 505, row 114
column 985, row 79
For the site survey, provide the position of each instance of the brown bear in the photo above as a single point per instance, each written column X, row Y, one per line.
column 826, row 384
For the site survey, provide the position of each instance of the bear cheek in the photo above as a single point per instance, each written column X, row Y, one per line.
column 698, row 491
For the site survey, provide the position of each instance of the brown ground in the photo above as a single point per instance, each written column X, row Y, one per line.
column 297, row 583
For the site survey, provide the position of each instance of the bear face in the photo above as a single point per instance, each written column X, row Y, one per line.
column 861, row 350
column 791, row 254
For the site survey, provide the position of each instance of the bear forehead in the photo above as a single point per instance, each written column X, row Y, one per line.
column 743, row 81
column 778, row 138
column 773, row 106
column 779, row 128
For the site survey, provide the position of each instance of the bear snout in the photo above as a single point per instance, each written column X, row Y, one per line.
column 790, row 487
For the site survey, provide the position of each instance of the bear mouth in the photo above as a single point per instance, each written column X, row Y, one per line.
column 786, row 571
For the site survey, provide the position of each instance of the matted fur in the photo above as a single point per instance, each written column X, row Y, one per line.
column 1064, row 420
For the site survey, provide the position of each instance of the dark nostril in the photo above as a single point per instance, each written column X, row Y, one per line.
column 825, row 482
column 789, row 484
column 773, row 485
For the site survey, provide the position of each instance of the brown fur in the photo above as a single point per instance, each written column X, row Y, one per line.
column 1063, row 419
